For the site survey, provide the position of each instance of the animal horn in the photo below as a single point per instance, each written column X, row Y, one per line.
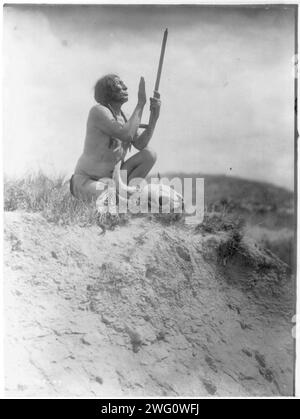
column 121, row 187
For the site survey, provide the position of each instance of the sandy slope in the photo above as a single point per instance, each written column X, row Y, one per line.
column 145, row 310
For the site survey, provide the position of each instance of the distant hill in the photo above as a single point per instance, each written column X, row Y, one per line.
column 219, row 187
column 259, row 203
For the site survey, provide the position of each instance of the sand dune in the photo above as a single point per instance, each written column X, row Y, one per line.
column 145, row 310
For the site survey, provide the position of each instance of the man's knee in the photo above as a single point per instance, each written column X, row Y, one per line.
column 150, row 155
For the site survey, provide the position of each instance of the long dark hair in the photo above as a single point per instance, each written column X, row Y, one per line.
column 102, row 90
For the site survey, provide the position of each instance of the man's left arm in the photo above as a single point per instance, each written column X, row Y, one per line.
column 141, row 140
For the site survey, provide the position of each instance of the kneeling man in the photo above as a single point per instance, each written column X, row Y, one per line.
column 110, row 135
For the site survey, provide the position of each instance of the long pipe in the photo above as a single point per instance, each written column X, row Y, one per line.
column 158, row 75
column 161, row 60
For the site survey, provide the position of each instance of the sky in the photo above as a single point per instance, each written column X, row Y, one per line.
column 227, row 85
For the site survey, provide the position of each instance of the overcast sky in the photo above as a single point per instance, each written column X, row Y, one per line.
column 226, row 88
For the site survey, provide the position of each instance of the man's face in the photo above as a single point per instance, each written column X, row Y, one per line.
column 118, row 90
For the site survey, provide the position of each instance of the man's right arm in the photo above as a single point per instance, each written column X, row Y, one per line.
column 102, row 118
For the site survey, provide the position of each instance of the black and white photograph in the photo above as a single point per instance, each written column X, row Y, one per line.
column 149, row 202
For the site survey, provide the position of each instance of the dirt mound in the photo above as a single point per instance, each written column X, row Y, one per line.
column 146, row 310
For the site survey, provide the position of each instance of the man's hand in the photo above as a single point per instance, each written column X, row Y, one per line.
column 142, row 99
column 155, row 104
column 141, row 140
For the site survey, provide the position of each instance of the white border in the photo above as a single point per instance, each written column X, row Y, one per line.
column 2, row 331
column 154, row 2
column 131, row 2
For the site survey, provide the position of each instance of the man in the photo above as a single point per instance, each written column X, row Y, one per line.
column 109, row 136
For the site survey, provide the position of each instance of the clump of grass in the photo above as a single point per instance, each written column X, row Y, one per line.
column 223, row 221
column 30, row 194
column 229, row 247
column 283, row 247
column 109, row 221
column 236, row 243
column 51, row 197
column 64, row 209
column 167, row 218
column 233, row 225
column 279, row 242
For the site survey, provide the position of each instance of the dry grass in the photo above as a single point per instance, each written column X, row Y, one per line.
column 283, row 247
column 274, row 243
column 224, row 221
column 280, row 242
column 52, row 198
column 214, row 222
column 48, row 196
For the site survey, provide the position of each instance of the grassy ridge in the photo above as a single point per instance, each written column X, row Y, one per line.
column 265, row 208
column 49, row 196
column 259, row 203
